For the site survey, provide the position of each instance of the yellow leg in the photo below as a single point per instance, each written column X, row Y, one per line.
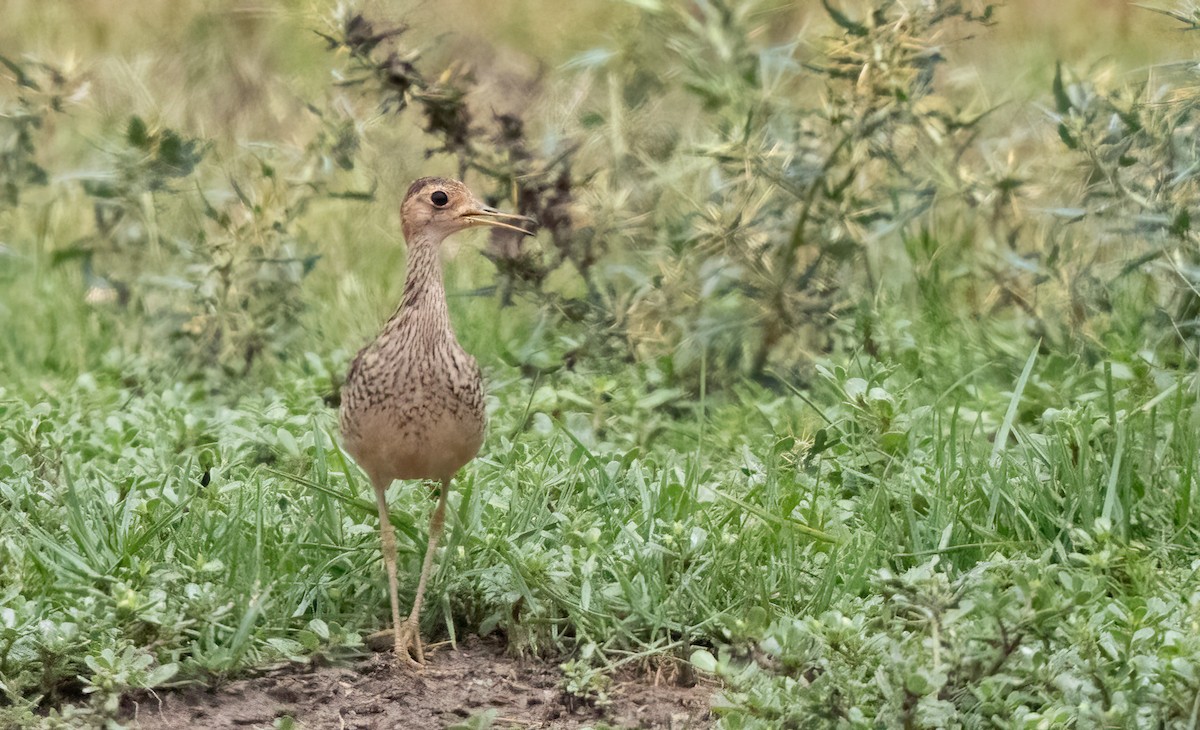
column 387, row 535
column 406, row 635
column 413, row 624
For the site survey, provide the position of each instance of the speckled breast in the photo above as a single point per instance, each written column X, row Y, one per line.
column 413, row 412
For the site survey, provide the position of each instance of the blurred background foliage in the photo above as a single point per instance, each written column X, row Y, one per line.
column 768, row 185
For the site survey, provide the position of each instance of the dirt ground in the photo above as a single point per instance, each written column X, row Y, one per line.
column 456, row 685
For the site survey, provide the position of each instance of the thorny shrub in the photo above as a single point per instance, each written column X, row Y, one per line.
column 40, row 90
column 807, row 171
column 746, row 183
column 730, row 200
column 213, row 267
column 1138, row 156
column 753, row 199
column 541, row 183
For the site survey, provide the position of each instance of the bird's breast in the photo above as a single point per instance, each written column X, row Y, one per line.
column 413, row 409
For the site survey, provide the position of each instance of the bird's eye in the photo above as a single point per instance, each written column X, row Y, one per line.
column 439, row 198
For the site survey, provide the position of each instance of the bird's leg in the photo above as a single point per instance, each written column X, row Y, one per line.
column 413, row 624
column 387, row 535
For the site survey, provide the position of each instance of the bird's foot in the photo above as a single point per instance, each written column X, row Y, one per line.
column 405, row 640
column 408, row 635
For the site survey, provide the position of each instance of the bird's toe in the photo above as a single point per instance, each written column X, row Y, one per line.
column 408, row 638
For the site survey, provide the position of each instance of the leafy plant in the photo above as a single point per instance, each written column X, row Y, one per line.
column 1135, row 145
column 41, row 90
column 583, row 683
column 1012, row 638
column 113, row 673
column 215, row 271
column 540, row 182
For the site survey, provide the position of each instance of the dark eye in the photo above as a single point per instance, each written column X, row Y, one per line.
column 439, row 198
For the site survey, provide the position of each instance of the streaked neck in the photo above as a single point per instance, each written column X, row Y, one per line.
column 424, row 290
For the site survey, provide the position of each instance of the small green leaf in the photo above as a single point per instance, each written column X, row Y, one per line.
column 162, row 674
column 1062, row 101
column 320, row 628
column 136, row 133
column 704, row 661
column 1182, row 224
column 99, row 189
column 308, row 640
column 591, row 120
column 1065, row 135
column 851, row 26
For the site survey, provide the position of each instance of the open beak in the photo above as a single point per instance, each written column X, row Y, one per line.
column 482, row 215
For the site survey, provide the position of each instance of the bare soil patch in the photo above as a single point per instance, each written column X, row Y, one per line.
column 457, row 684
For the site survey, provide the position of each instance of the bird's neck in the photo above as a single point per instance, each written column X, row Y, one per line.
column 424, row 291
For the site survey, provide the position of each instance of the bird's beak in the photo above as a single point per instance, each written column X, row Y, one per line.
column 482, row 215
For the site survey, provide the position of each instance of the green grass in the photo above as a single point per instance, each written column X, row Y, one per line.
column 608, row 511
column 940, row 510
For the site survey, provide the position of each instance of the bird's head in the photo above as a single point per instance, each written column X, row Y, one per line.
column 436, row 207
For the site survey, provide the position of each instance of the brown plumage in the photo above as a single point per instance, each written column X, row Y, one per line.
column 413, row 402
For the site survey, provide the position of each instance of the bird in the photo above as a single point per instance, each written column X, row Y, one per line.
column 413, row 399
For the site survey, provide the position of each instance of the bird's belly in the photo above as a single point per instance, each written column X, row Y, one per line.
column 425, row 441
